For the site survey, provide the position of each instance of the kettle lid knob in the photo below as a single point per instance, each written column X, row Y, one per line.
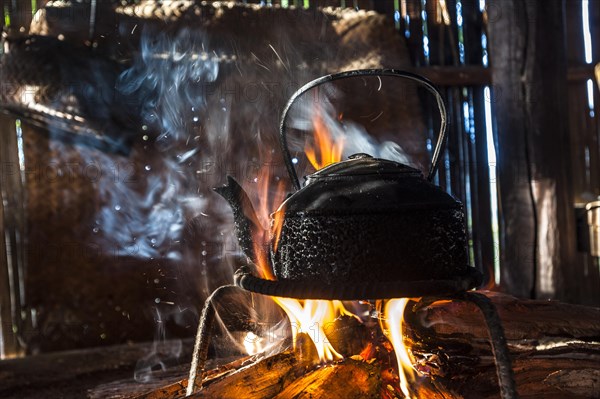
column 360, row 155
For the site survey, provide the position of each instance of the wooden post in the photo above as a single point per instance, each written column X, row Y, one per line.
column 527, row 46
column 507, row 33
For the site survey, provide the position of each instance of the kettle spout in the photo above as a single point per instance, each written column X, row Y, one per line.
column 248, row 227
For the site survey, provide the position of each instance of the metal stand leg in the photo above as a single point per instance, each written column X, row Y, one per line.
column 504, row 369
column 207, row 319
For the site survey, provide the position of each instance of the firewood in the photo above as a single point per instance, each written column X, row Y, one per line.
column 555, row 347
column 175, row 390
column 347, row 335
column 178, row 388
column 348, row 379
column 263, row 379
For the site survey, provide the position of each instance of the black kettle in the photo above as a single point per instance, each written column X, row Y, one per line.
column 361, row 228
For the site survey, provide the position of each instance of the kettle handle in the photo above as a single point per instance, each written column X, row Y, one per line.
column 364, row 72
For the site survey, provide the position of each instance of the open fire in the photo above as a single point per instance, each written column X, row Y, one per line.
column 335, row 239
column 314, row 317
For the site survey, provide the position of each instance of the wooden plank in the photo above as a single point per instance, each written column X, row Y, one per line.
column 474, row 29
column 456, row 154
column 591, row 265
column 415, row 32
column 9, row 345
column 594, row 134
column 580, row 127
column 437, row 38
column 456, row 146
column 577, row 73
column 13, row 195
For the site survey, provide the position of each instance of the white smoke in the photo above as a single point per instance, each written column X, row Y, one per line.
column 170, row 77
column 161, row 353
column 147, row 201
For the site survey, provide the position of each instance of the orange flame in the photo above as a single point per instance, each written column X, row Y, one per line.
column 267, row 201
column 309, row 316
column 276, row 227
column 312, row 317
column 327, row 149
column 393, row 317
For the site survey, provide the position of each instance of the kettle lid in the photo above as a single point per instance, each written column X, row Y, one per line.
column 362, row 164
column 366, row 185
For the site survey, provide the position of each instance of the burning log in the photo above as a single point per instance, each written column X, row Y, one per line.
column 348, row 336
column 178, row 388
column 283, row 376
column 263, row 379
column 290, row 373
column 349, row 379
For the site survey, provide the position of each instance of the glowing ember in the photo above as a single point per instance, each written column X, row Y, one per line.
column 393, row 317
column 327, row 149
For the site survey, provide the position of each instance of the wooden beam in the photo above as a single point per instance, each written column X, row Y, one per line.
column 478, row 75
column 468, row 75
column 580, row 73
